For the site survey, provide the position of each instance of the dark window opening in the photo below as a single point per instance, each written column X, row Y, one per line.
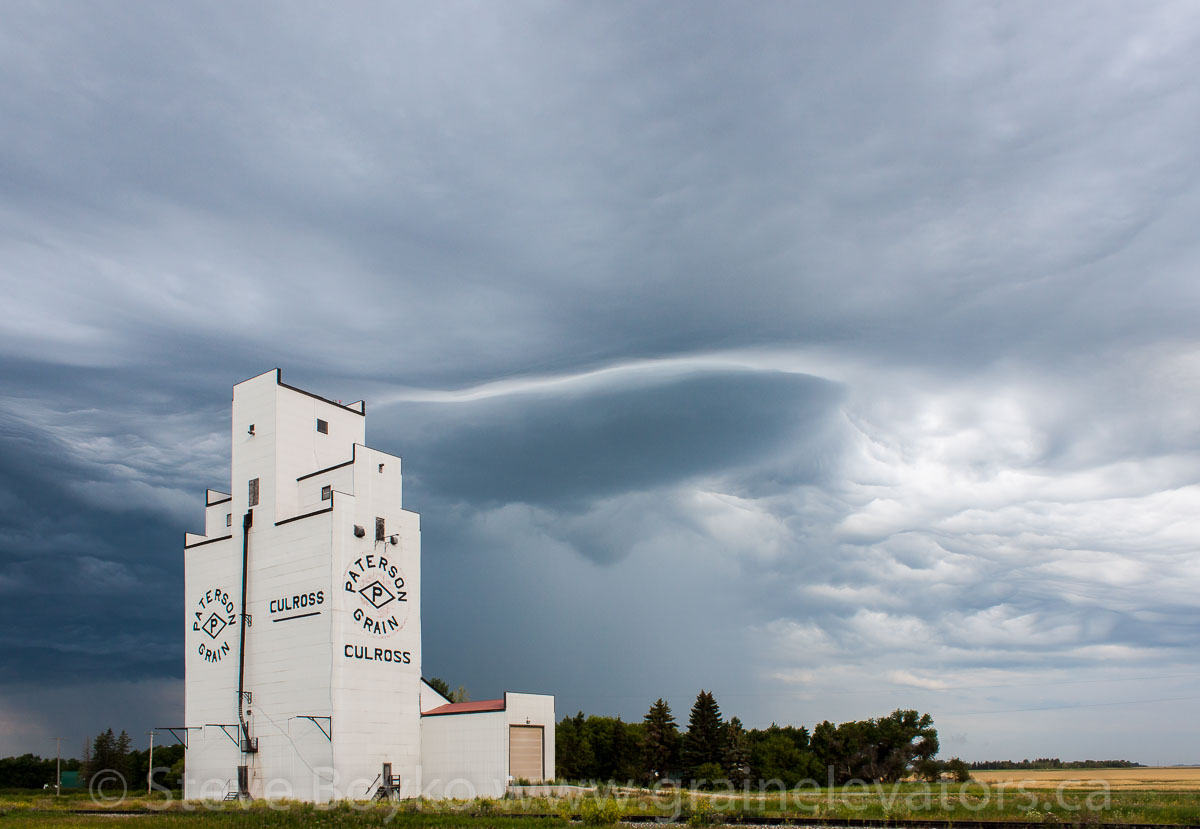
column 229, row 519
column 254, row 492
column 380, row 531
column 326, row 493
column 322, row 426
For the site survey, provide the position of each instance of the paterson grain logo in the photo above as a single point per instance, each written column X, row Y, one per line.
column 382, row 606
column 212, row 624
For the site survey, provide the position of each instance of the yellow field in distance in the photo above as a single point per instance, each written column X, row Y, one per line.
column 1158, row 779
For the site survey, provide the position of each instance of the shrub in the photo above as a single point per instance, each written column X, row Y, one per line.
column 483, row 806
column 599, row 813
column 610, row 812
column 589, row 812
column 702, row 813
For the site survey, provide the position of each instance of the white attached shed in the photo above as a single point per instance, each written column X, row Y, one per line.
column 476, row 749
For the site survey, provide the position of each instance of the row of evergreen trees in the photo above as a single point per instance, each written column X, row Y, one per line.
column 714, row 749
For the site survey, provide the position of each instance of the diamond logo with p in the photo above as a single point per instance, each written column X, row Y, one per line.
column 377, row 594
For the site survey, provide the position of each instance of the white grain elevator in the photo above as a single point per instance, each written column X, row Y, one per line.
column 303, row 627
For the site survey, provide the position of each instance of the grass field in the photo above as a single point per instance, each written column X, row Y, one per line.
column 1064, row 798
column 267, row 819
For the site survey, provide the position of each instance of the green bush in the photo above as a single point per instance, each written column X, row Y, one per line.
column 564, row 809
column 483, row 806
column 701, row 813
column 600, row 813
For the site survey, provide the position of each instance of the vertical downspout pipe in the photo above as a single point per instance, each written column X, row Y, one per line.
column 247, row 523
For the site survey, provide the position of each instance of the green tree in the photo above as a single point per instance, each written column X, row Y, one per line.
column 737, row 752
column 573, row 755
column 959, row 768
column 704, row 742
column 775, row 757
column 109, row 752
column 825, row 749
column 884, row 749
column 614, row 744
column 440, row 685
column 660, row 741
column 929, row 770
column 174, row 778
column 902, row 740
column 27, row 772
column 709, row 776
column 626, row 751
column 165, row 757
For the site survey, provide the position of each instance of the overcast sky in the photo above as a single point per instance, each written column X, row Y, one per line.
column 834, row 357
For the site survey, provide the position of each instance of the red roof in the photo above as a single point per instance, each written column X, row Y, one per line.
column 466, row 707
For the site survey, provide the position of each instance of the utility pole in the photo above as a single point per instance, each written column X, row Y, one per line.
column 58, row 768
column 150, row 769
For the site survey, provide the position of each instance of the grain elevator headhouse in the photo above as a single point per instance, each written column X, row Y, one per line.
column 303, row 627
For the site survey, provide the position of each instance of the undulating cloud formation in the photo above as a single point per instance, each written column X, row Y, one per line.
column 832, row 357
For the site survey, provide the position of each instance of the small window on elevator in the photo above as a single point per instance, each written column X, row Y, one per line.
column 327, row 493
column 380, row 529
column 323, row 426
column 254, row 492
column 229, row 519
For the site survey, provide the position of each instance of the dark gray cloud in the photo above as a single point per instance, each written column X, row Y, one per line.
column 848, row 351
column 567, row 450
column 88, row 583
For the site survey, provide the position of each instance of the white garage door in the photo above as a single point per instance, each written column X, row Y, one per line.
column 525, row 752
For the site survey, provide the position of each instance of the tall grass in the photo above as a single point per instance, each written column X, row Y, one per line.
column 909, row 801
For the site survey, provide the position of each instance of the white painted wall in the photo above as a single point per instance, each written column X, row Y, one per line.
column 430, row 698
column 288, row 656
column 218, row 518
column 212, row 586
column 533, row 709
column 376, row 651
column 464, row 755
